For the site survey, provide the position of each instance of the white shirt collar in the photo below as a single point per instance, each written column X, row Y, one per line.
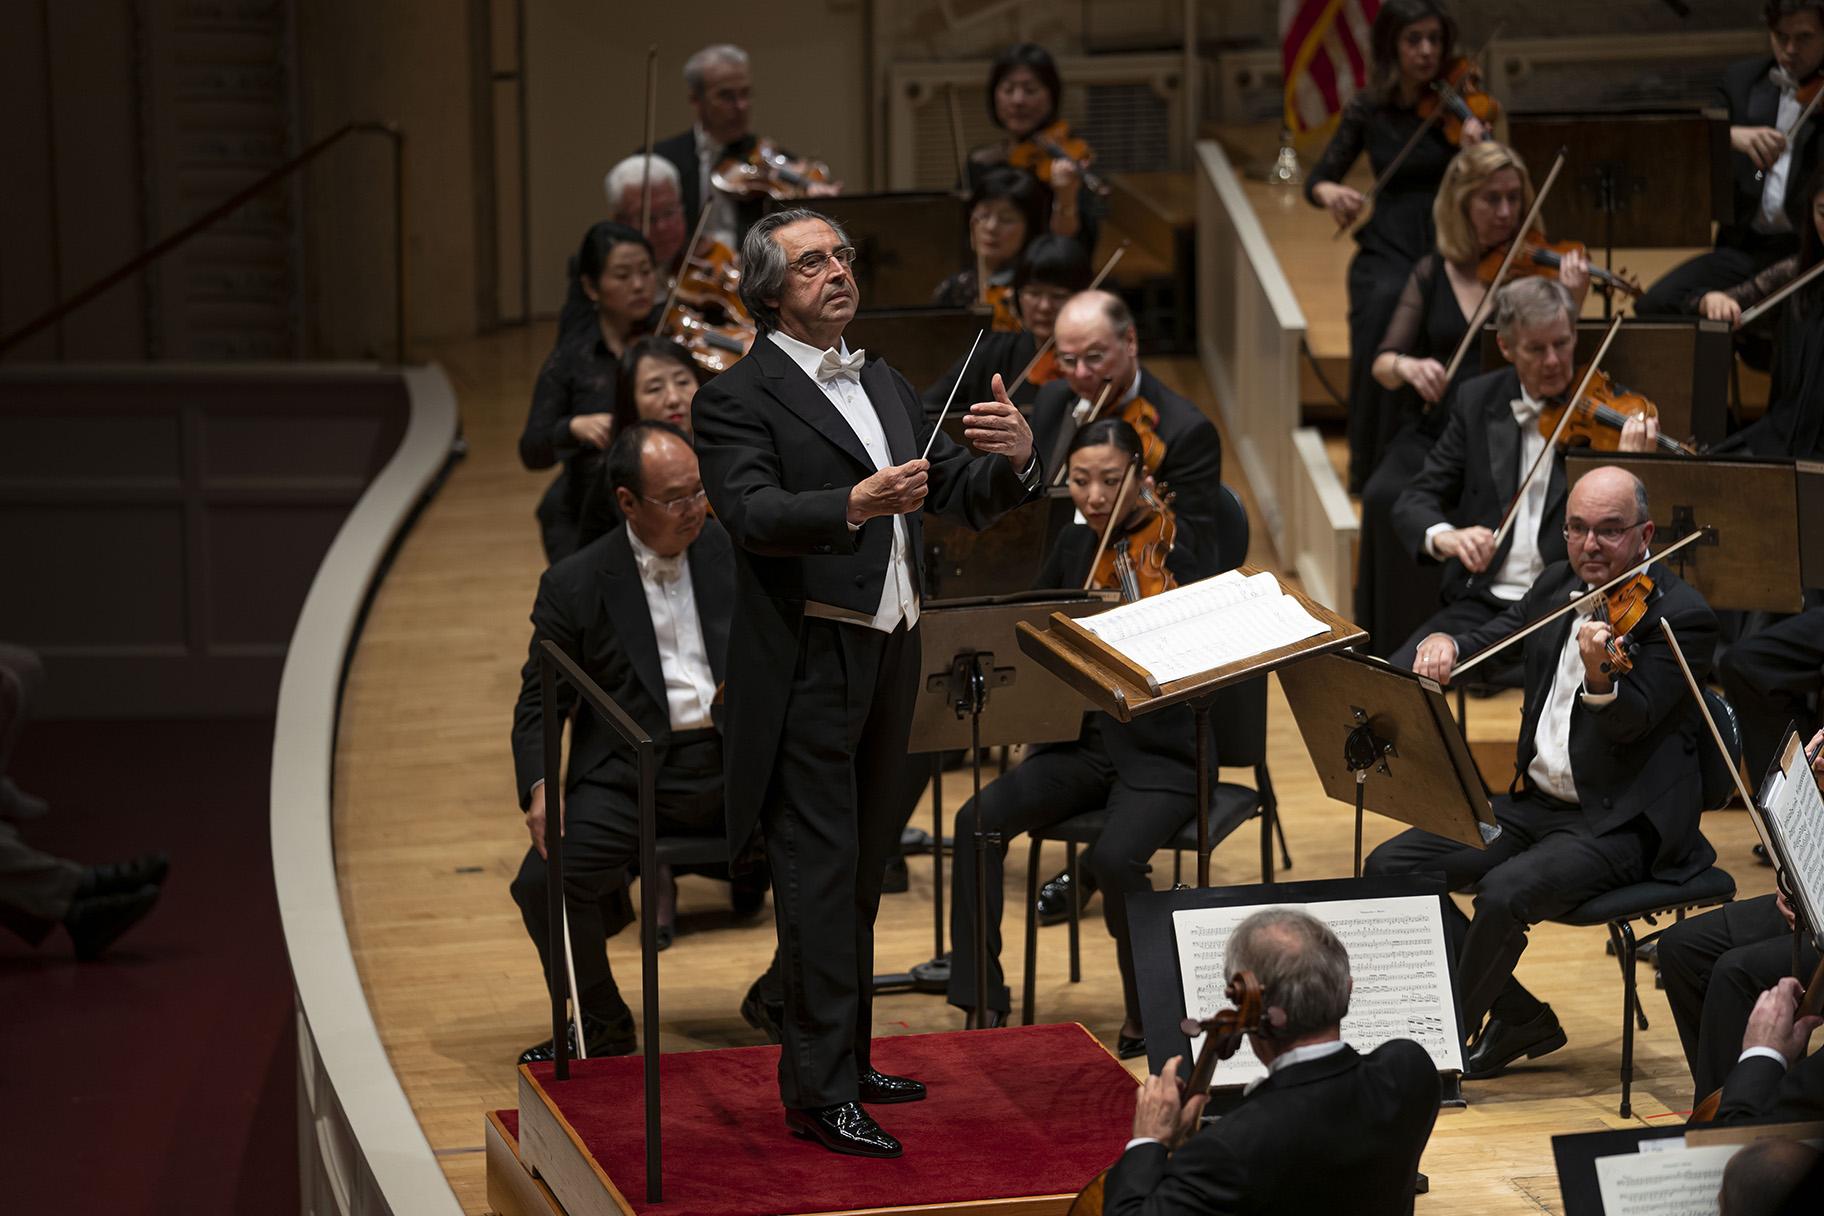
column 647, row 562
column 1306, row 1053
column 806, row 356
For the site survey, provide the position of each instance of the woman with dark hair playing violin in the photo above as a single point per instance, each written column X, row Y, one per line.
column 1413, row 41
column 1024, row 92
column 1006, row 210
column 1049, row 272
column 1143, row 772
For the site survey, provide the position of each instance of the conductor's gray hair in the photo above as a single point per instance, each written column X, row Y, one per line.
column 1302, row 967
column 1531, row 302
column 629, row 174
column 763, row 264
column 709, row 56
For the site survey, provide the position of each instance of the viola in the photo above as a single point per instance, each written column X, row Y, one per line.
column 766, row 172
column 1601, row 413
column 1036, row 152
column 1459, row 94
column 1543, row 259
column 1134, row 564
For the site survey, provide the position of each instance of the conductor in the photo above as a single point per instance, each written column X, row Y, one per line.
column 811, row 457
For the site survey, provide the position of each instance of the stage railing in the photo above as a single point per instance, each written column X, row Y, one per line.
column 1249, row 333
column 360, row 1147
column 555, row 665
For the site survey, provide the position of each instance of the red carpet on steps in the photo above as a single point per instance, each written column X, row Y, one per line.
column 1034, row 1110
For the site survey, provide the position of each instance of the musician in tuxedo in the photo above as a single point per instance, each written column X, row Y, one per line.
column 719, row 87
column 645, row 611
column 1280, row 1151
column 1098, row 347
column 1451, row 511
column 812, row 458
column 1606, row 789
column 1773, row 1079
column 1767, row 171
column 1050, row 271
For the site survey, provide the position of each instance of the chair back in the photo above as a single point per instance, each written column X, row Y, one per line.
column 1231, row 532
column 1716, row 770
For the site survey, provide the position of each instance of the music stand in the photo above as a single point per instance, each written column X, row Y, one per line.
column 906, row 242
column 1360, row 716
column 1751, row 505
column 1810, row 477
column 980, row 690
column 1002, row 560
column 920, row 343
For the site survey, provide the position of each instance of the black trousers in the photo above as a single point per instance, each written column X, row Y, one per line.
column 832, row 816
column 602, row 845
column 1049, row 787
column 1722, row 267
column 1461, row 615
column 1772, row 678
column 1545, row 862
column 1715, row 967
column 1393, row 590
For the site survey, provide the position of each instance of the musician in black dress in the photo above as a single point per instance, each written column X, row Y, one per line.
column 1413, row 41
column 1143, row 772
column 1024, row 92
column 1050, row 271
column 1006, row 210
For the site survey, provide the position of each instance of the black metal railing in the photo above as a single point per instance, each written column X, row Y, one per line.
column 555, row 665
column 146, row 257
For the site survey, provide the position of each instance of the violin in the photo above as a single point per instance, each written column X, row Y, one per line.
column 999, row 298
column 1037, row 151
column 713, row 347
column 766, row 172
column 1624, row 607
column 1543, row 258
column 1222, row 1036
column 1134, row 564
column 1140, row 414
column 1601, row 413
column 1044, row 368
column 1459, row 94
column 710, row 280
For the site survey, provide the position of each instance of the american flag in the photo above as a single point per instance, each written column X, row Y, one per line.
column 1324, row 47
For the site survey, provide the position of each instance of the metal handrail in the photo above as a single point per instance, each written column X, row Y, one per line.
column 554, row 664
column 146, row 257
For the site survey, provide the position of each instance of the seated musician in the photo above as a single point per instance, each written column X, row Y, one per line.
column 1049, row 272
column 572, row 414
column 1760, row 95
column 1774, row 1079
column 1485, row 195
column 664, row 229
column 1606, row 788
column 1006, row 210
column 1024, row 93
column 1715, row 966
column 1772, row 1177
column 1727, row 304
column 1451, row 510
column 1773, row 677
column 1328, row 1131
column 1144, row 772
column 645, row 612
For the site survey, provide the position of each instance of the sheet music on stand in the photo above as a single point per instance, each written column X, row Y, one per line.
column 1206, row 624
column 1793, row 813
column 1656, row 1171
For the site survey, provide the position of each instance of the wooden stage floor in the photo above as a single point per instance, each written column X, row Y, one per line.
column 428, row 836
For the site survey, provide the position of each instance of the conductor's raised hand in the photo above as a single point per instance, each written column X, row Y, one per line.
column 998, row 426
column 894, row 490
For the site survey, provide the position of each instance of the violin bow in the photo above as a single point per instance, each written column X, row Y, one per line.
column 1514, row 246
column 1804, row 114
column 1551, row 441
column 1095, row 412
column 1703, row 707
column 652, row 102
column 956, row 138
column 964, row 371
column 690, row 251
column 1108, row 529
column 1750, row 314
column 1578, row 604
column 1093, row 285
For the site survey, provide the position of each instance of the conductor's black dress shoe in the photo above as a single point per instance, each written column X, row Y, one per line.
column 1501, row 1043
column 879, row 1089
column 843, row 1128
column 603, row 1037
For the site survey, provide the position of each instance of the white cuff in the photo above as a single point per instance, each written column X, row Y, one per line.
column 1431, row 535
column 1598, row 700
column 1769, row 1052
column 1139, row 1140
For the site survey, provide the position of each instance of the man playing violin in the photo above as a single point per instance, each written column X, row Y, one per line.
column 1450, row 512
column 1606, row 789
column 1328, row 1131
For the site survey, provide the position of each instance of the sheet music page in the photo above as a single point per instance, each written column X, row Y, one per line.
column 1681, row 1182
column 1396, row 955
column 1205, row 624
column 1796, row 814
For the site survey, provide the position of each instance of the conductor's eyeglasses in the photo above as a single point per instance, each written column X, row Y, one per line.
column 810, row 265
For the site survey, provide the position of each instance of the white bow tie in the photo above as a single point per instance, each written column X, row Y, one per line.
column 656, row 569
column 1524, row 411
column 1782, row 80
column 833, row 365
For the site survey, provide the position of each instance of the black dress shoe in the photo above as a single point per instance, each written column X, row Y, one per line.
column 1130, row 1047
column 124, row 877
column 95, row 922
column 764, row 1017
column 1501, row 1043
column 896, row 880
column 603, row 1037
column 844, row 1128
column 880, row 1089
column 1054, row 896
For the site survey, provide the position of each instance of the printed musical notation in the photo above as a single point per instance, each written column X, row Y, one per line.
column 1396, row 955
column 1679, row 1182
column 1204, row 625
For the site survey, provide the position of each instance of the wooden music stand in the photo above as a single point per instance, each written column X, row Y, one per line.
column 906, row 243
column 1001, row 560
column 1681, row 364
column 1117, row 686
column 920, row 343
column 1749, row 562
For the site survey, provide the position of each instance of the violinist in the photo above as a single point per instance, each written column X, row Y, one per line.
column 1144, row 772
column 1449, row 512
column 1282, row 1150
column 1485, row 195
column 1024, row 92
column 1049, row 272
column 1607, row 785
column 719, row 87
column 572, row 414
column 665, row 228
column 1006, row 210
column 1414, row 41
column 1764, row 97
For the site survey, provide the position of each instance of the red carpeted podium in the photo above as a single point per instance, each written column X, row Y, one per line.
column 1017, row 1121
